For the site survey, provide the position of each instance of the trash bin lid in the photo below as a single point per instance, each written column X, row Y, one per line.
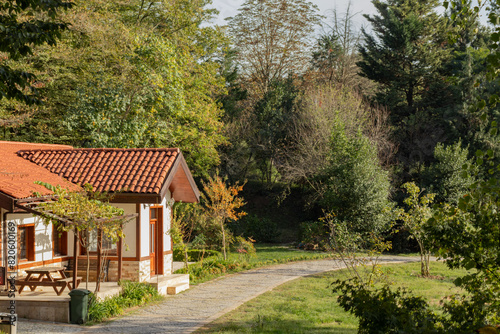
column 79, row 292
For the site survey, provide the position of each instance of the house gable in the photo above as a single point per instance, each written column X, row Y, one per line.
column 137, row 175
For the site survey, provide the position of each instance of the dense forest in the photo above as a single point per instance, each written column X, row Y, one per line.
column 343, row 140
column 312, row 114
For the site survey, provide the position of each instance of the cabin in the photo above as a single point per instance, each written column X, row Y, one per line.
column 144, row 182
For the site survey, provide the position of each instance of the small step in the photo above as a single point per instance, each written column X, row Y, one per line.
column 176, row 288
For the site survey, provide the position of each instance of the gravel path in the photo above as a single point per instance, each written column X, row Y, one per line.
column 186, row 312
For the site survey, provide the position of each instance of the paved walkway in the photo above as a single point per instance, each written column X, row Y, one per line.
column 186, row 312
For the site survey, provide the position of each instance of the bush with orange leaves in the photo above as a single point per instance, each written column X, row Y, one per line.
column 221, row 203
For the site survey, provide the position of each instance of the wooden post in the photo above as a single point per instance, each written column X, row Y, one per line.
column 120, row 258
column 99, row 250
column 76, row 246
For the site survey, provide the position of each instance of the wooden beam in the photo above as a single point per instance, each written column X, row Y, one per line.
column 99, row 258
column 120, row 258
column 44, row 199
column 75, row 255
column 67, row 220
column 135, row 198
column 138, row 232
column 6, row 202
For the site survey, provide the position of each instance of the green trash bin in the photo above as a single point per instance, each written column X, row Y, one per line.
column 78, row 305
column 8, row 323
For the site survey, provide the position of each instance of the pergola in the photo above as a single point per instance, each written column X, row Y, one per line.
column 35, row 206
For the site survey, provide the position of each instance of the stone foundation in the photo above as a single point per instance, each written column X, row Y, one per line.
column 131, row 270
column 167, row 264
column 52, row 309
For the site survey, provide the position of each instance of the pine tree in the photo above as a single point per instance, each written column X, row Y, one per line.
column 405, row 51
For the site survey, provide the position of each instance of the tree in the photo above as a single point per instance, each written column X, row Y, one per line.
column 273, row 117
column 354, row 185
column 272, row 39
column 83, row 213
column 405, row 52
column 335, row 54
column 221, row 202
column 121, row 77
column 466, row 235
column 184, row 218
column 325, row 56
column 414, row 218
column 26, row 24
column 337, row 147
column 445, row 176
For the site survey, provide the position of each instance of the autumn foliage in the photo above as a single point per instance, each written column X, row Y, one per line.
column 221, row 202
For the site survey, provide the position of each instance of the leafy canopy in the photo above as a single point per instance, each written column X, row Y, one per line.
column 25, row 24
column 272, row 39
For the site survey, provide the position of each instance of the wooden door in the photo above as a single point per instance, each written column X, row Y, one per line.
column 156, row 240
column 152, row 242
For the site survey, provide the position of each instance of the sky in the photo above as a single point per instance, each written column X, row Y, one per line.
column 229, row 8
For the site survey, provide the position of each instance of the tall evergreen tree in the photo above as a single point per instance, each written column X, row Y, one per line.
column 404, row 52
column 405, row 55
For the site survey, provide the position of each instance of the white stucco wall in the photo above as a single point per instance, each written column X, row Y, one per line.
column 129, row 229
column 167, row 218
column 144, row 229
column 167, row 221
column 43, row 234
column 145, row 212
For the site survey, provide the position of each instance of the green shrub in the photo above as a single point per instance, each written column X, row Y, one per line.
column 136, row 293
column 313, row 234
column 194, row 255
column 244, row 247
column 385, row 310
column 107, row 308
column 133, row 294
column 260, row 229
column 382, row 311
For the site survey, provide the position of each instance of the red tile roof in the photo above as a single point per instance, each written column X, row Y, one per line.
column 136, row 170
column 18, row 176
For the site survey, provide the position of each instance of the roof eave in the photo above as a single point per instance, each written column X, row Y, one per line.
column 174, row 176
column 7, row 202
column 135, row 198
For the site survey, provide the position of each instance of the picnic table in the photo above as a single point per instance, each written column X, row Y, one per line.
column 45, row 278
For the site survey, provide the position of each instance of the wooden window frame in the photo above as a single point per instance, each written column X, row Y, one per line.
column 30, row 242
column 63, row 242
column 113, row 252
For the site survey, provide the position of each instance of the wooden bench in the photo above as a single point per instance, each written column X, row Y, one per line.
column 68, row 269
column 70, row 282
column 58, row 285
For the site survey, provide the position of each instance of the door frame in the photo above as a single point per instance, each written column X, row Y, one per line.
column 156, row 258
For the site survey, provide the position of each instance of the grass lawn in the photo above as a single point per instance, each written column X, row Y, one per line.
column 279, row 253
column 307, row 305
column 265, row 255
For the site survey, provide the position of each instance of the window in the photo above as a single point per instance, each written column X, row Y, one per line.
column 26, row 242
column 60, row 242
column 107, row 245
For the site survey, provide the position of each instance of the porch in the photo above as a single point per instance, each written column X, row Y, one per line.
column 44, row 304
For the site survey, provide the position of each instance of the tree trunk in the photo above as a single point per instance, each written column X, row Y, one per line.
column 223, row 241
column 186, row 258
column 99, row 261
column 424, row 260
column 88, row 268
